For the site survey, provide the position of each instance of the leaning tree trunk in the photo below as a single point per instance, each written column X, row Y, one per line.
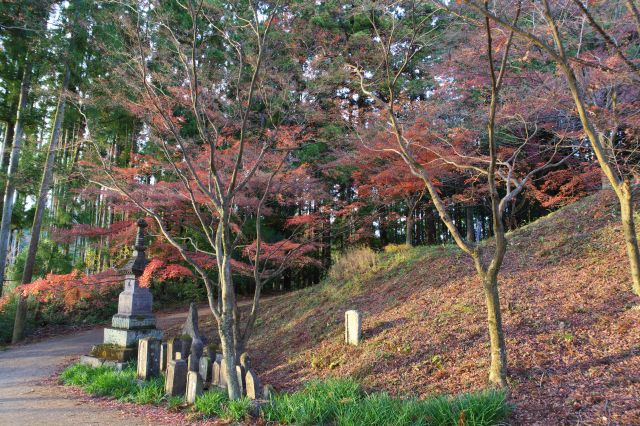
column 631, row 240
column 46, row 182
column 498, row 368
column 10, row 190
column 27, row 273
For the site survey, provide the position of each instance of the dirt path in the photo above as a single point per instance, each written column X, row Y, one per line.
column 26, row 400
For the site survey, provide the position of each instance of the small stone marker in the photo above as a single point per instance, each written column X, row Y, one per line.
column 268, row 392
column 215, row 373
column 222, row 382
column 245, row 365
column 252, row 385
column 173, row 346
column 148, row 358
column 240, row 376
column 163, row 357
column 176, row 380
column 205, row 369
column 194, row 386
column 352, row 327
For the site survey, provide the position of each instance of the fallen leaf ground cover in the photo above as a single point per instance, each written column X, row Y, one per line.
column 570, row 319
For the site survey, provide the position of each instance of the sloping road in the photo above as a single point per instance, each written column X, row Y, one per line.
column 26, row 400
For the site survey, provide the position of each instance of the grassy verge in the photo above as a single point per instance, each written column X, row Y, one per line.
column 342, row 402
column 339, row 402
column 124, row 386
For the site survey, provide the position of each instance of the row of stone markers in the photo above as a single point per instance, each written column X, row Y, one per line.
column 188, row 371
column 190, row 378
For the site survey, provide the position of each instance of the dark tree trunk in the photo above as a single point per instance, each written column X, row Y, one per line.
column 469, row 223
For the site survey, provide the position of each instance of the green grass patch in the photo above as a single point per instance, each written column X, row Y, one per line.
column 150, row 392
column 106, row 381
column 123, row 385
column 212, row 403
column 342, row 402
column 215, row 403
column 238, row 409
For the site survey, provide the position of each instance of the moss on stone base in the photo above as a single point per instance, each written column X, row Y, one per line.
column 112, row 352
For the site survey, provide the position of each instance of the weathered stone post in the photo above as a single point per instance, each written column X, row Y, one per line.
column 352, row 327
column 205, row 370
column 240, row 376
column 253, row 386
column 176, row 380
column 194, row 387
column 222, row 379
column 163, row 357
column 173, row 346
column 215, row 373
column 148, row 358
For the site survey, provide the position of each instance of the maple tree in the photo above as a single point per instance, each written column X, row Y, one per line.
column 215, row 157
column 604, row 105
column 400, row 40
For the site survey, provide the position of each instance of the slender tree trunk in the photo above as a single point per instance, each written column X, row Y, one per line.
column 226, row 326
column 4, row 155
column 9, row 195
column 498, row 368
column 631, row 240
column 27, row 273
column 45, row 185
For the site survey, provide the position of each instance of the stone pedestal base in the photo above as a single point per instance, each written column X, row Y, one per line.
column 129, row 338
column 99, row 362
column 111, row 352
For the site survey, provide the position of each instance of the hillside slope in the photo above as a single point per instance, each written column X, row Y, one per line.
column 572, row 331
column 571, row 323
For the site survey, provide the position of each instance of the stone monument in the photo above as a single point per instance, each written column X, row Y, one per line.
column 134, row 319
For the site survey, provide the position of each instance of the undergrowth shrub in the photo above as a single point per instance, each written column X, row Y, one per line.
column 8, row 305
column 395, row 248
column 352, row 263
column 77, row 298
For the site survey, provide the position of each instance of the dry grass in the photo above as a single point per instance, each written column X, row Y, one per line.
column 353, row 263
